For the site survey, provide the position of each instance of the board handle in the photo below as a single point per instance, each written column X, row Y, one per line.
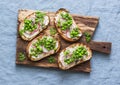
column 104, row 47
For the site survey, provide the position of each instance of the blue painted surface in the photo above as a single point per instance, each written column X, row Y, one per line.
column 105, row 68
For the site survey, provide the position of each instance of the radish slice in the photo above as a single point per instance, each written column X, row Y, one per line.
column 68, row 33
column 44, row 49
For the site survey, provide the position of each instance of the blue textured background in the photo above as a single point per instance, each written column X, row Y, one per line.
column 105, row 68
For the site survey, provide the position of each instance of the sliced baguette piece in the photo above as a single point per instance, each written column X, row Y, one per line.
column 66, row 34
column 67, row 54
column 45, row 52
column 27, row 35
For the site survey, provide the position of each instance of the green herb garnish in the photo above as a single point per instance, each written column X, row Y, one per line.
column 59, row 23
column 39, row 17
column 66, row 52
column 21, row 57
column 21, row 32
column 52, row 31
column 87, row 36
column 51, row 59
column 77, row 54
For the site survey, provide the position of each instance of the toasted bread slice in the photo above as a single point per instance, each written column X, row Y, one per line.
column 33, row 24
column 73, row 55
column 66, row 26
column 43, row 46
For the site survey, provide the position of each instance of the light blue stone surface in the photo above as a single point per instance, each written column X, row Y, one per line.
column 105, row 68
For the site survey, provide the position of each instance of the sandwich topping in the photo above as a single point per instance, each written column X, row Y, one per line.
column 74, row 54
column 68, row 26
column 67, row 21
column 44, row 45
column 74, row 32
column 34, row 23
column 77, row 54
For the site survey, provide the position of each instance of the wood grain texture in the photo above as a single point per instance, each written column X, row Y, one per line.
column 86, row 23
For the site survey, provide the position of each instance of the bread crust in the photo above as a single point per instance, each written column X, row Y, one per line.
column 59, row 29
column 80, row 61
column 22, row 22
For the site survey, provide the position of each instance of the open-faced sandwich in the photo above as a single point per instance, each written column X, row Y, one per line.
column 66, row 26
column 73, row 55
column 33, row 24
column 43, row 46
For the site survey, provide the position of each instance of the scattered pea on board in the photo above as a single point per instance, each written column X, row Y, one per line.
column 21, row 57
column 51, row 59
column 53, row 31
column 87, row 37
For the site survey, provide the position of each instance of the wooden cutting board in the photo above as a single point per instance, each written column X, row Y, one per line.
column 86, row 23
